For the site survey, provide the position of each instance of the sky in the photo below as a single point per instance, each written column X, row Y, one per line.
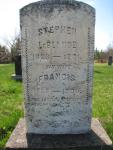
column 9, row 20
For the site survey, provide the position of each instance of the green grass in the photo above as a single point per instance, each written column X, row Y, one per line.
column 103, row 96
column 11, row 99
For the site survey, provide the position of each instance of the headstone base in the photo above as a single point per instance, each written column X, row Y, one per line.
column 97, row 139
column 17, row 77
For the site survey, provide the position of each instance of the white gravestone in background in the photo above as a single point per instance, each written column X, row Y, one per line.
column 57, row 63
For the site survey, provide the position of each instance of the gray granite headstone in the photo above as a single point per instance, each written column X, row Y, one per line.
column 110, row 60
column 57, row 64
column 18, row 69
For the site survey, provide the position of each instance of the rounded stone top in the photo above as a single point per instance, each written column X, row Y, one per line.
column 51, row 4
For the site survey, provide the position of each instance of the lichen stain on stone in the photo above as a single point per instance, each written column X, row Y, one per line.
column 47, row 7
column 57, row 113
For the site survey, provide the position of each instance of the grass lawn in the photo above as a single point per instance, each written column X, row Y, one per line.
column 103, row 96
column 11, row 99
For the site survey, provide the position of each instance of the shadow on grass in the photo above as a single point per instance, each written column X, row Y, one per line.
column 97, row 72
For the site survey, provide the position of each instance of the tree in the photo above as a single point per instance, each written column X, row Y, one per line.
column 110, row 51
column 96, row 54
column 5, row 55
column 14, row 46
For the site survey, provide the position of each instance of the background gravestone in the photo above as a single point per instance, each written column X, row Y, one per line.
column 57, row 54
column 18, row 68
column 110, row 60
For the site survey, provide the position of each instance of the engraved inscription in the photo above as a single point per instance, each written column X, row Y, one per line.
column 56, row 29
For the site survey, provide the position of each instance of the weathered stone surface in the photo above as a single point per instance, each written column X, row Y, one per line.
column 57, row 54
column 97, row 139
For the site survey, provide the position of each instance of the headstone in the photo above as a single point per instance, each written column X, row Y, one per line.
column 110, row 60
column 18, row 68
column 57, row 63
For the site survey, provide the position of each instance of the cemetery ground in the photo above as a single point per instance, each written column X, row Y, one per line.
column 11, row 99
